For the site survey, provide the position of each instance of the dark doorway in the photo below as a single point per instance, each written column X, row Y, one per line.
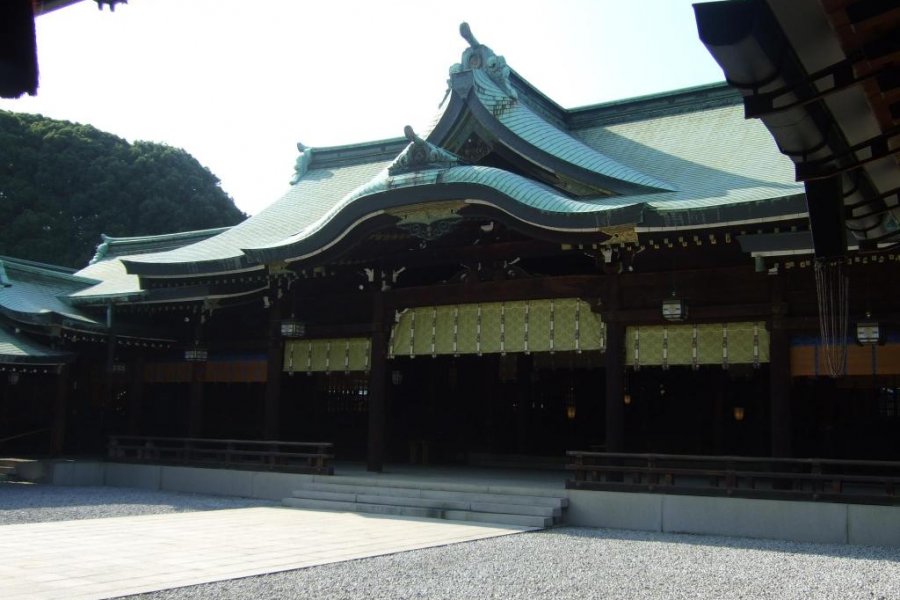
column 494, row 408
column 709, row 410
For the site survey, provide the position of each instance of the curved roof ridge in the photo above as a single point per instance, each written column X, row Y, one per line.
column 111, row 247
column 530, row 127
column 527, row 192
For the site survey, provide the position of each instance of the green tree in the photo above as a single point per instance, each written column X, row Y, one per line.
column 62, row 184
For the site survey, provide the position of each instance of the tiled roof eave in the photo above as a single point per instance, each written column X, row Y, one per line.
column 38, row 360
column 88, row 299
column 17, row 349
column 50, row 319
column 376, row 200
column 231, row 264
column 627, row 184
column 756, row 211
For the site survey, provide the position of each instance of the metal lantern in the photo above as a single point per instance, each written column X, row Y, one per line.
column 868, row 332
column 674, row 309
column 291, row 328
column 196, row 354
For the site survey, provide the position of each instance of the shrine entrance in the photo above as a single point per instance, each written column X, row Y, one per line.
column 495, row 409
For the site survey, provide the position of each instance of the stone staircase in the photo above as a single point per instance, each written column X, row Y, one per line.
column 524, row 507
column 8, row 469
column 22, row 469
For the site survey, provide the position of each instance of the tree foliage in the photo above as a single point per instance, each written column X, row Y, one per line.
column 63, row 184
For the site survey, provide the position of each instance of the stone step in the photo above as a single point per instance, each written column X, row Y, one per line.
column 413, row 511
column 503, row 519
column 557, row 502
column 381, row 509
column 8, row 473
column 438, row 485
column 439, row 503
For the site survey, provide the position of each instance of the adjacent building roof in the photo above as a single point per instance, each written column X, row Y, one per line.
column 36, row 293
column 15, row 348
column 820, row 76
column 111, row 282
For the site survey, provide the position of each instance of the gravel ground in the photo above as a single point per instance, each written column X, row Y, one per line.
column 583, row 563
column 33, row 503
column 566, row 562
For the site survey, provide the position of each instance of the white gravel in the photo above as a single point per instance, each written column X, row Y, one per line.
column 583, row 563
column 562, row 563
column 34, row 503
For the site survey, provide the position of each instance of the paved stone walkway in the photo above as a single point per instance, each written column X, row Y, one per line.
column 104, row 558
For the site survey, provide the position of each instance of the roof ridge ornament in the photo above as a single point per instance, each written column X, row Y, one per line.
column 102, row 249
column 302, row 164
column 420, row 155
column 479, row 57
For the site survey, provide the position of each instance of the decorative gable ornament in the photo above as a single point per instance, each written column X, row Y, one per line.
column 420, row 155
column 302, row 164
column 479, row 57
column 429, row 221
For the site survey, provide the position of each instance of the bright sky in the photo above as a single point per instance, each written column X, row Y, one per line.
column 238, row 83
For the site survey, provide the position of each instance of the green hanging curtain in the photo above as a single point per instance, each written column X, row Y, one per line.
column 327, row 355
column 694, row 345
column 550, row 325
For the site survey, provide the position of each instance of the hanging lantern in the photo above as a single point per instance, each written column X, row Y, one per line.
column 674, row 309
column 13, row 377
column 868, row 332
column 196, row 353
column 292, row 328
column 738, row 412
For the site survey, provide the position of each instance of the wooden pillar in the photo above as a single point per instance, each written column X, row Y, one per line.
column 719, row 413
column 614, row 362
column 615, row 388
column 60, row 405
column 275, row 363
column 377, row 401
column 780, row 387
column 524, row 398
column 195, row 416
column 136, row 396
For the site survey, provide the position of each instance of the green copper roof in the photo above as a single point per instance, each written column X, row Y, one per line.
column 533, row 129
column 36, row 294
column 715, row 158
column 306, row 202
column 16, row 348
column 524, row 199
column 114, row 283
column 111, row 247
column 720, row 168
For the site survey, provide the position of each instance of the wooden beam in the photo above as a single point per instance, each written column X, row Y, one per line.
column 571, row 286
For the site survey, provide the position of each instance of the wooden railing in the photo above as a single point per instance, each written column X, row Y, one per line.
column 293, row 457
column 852, row 481
column 25, row 434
